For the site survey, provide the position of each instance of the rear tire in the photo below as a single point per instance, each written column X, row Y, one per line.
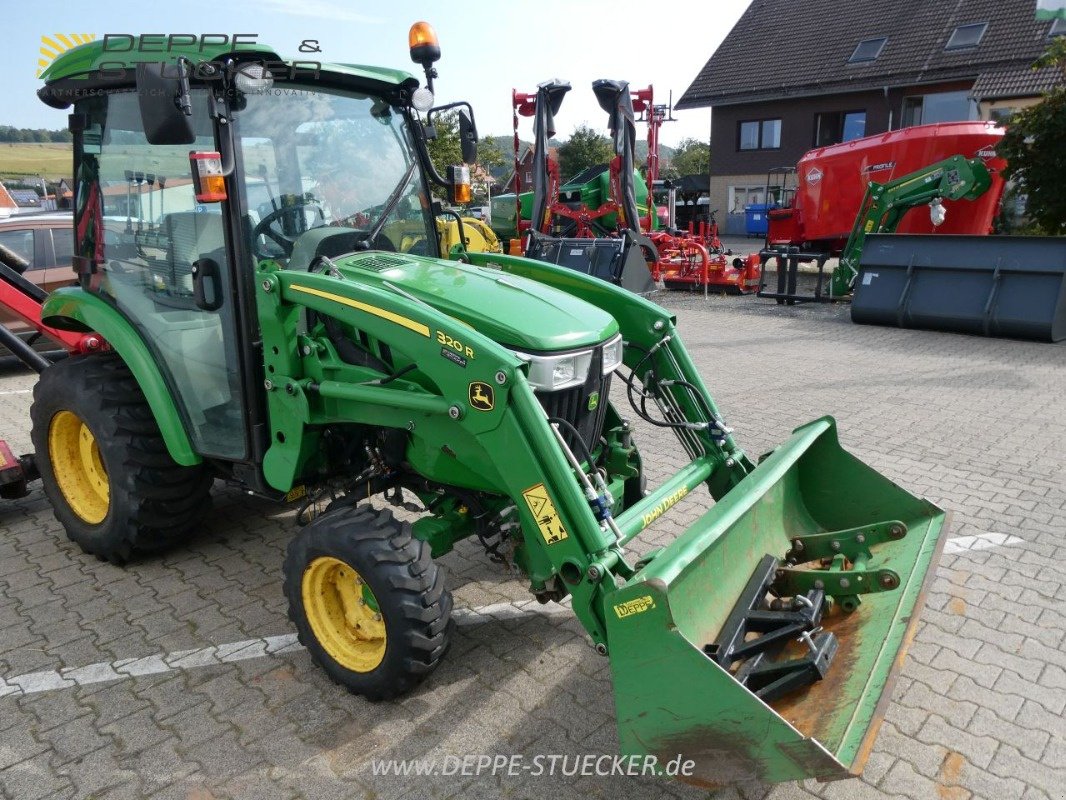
column 368, row 601
column 104, row 464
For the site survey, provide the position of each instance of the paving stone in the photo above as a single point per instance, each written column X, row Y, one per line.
column 1031, row 742
column 32, row 778
column 977, row 749
column 1054, row 700
column 1005, row 705
column 1010, row 762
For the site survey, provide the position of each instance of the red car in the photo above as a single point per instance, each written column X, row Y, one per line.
column 46, row 241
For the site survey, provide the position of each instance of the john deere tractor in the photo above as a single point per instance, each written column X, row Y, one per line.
column 266, row 326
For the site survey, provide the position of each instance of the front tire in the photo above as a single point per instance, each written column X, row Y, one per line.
column 104, row 464
column 368, row 602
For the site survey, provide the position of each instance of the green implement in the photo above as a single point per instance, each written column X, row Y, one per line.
column 684, row 682
column 884, row 204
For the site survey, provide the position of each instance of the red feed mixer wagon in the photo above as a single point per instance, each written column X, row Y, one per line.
column 831, row 182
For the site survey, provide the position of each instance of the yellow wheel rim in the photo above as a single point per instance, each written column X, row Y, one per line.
column 77, row 466
column 344, row 614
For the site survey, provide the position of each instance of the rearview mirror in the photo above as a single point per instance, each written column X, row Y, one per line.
column 467, row 128
column 163, row 97
column 467, row 136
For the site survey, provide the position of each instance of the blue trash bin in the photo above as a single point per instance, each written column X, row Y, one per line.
column 755, row 219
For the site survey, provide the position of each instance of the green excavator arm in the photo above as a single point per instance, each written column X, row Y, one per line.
column 883, row 206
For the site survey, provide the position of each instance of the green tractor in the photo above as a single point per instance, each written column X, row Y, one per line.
column 267, row 326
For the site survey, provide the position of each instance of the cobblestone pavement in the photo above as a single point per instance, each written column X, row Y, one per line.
column 126, row 683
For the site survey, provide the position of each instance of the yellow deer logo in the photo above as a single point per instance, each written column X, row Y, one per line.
column 481, row 397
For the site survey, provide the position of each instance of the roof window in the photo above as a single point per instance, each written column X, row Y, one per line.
column 868, row 50
column 967, row 36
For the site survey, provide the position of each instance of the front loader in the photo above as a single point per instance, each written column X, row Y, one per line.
column 272, row 329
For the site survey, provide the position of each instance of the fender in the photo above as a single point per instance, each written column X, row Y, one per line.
column 74, row 309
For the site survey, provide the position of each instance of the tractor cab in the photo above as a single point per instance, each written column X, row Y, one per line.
column 192, row 172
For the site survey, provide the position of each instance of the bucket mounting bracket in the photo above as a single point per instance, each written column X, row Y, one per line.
column 774, row 625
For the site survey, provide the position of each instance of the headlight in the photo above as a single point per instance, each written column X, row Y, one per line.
column 552, row 373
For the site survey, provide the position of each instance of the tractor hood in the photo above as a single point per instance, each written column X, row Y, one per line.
column 514, row 311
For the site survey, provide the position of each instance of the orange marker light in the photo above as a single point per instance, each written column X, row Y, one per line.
column 459, row 179
column 208, row 181
column 422, row 39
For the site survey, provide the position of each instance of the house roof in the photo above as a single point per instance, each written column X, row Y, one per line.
column 6, row 200
column 1016, row 82
column 25, row 198
column 785, row 48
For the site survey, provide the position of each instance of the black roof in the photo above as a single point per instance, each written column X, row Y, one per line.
column 1016, row 82
column 787, row 48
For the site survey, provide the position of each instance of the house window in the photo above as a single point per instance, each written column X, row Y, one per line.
column 1058, row 28
column 941, row 107
column 834, row 127
column 854, row 126
column 1001, row 114
column 868, row 50
column 741, row 196
column 966, row 36
column 762, row 134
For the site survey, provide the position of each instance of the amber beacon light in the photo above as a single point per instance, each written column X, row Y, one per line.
column 425, row 49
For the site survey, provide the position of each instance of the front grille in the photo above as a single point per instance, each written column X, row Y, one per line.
column 573, row 406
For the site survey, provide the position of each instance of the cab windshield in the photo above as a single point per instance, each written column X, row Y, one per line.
column 316, row 160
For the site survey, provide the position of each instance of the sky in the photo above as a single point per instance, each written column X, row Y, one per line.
column 488, row 48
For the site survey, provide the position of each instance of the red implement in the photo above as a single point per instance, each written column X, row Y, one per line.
column 831, row 182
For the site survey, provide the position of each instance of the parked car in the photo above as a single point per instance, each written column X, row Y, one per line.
column 46, row 241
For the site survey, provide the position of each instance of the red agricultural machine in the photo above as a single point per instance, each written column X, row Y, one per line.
column 611, row 207
column 831, row 183
column 876, row 184
column 24, row 298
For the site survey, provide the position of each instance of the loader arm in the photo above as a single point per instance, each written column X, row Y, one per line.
column 810, row 565
column 885, row 204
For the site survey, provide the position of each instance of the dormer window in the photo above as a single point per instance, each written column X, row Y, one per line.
column 868, row 50
column 965, row 37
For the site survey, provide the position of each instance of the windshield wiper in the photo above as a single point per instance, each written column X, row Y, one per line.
column 390, row 205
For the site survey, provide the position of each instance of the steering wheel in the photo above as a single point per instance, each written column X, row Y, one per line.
column 263, row 227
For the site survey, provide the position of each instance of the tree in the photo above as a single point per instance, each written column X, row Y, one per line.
column 1036, row 159
column 692, row 157
column 444, row 149
column 585, row 148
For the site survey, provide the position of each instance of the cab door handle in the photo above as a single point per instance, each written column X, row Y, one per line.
column 204, row 271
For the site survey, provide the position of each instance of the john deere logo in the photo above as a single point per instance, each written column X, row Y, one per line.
column 58, row 43
column 594, row 400
column 481, row 396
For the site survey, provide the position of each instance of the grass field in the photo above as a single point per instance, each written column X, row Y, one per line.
column 53, row 161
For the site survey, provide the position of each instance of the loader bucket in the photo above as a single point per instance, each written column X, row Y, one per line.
column 697, row 599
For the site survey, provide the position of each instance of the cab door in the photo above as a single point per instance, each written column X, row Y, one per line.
column 162, row 259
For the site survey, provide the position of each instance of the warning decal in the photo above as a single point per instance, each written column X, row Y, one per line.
column 543, row 509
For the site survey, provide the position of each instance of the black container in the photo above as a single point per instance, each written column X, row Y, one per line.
column 1013, row 286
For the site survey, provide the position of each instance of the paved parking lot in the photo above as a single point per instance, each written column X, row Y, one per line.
column 178, row 678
